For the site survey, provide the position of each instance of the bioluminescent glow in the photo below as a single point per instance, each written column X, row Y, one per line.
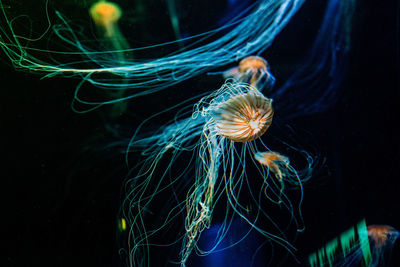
column 106, row 15
column 219, row 145
column 359, row 246
column 250, row 32
column 217, row 141
column 317, row 80
column 353, row 240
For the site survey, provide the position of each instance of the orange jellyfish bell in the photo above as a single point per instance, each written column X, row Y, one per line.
column 251, row 70
column 105, row 14
column 380, row 234
column 255, row 67
column 244, row 117
column 253, row 64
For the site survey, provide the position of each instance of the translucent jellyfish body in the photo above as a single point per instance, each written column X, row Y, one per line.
column 382, row 239
column 274, row 161
column 106, row 15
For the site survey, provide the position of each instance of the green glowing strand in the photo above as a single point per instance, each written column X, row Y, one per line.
column 364, row 242
column 331, row 248
column 347, row 239
column 313, row 260
column 353, row 241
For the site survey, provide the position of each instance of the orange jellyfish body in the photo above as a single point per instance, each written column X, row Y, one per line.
column 381, row 233
column 244, row 117
column 250, row 70
column 253, row 64
column 105, row 14
column 273, row 161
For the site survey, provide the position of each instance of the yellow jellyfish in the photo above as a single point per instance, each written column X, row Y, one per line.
column 244, row 117
column 105, row 16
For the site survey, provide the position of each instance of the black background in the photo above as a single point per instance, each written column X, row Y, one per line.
column 60, row 202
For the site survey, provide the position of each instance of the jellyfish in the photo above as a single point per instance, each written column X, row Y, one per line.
column 218, row 140
column 244, row 117
column 273, row 161
column 251, row 31
column 253, row 70
column 382, row 239
column 277, row 164
column 215, row 147
column 105, row 15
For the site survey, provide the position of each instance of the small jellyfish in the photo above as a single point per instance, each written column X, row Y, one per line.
column 122, row 224
column 274, row 161
column 253, row 70
column 106, row 15
column 315, row 81
column 381, row 239
column 279, row 166
column 244, row 117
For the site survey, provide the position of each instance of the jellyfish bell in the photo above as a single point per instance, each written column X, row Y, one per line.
column 253, row 70
column 214, row 178
column 381, row 234
column 244, row 117
column 105, row 14
column 253, row 64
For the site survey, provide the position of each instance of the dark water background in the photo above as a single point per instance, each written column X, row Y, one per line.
column 60, row 199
